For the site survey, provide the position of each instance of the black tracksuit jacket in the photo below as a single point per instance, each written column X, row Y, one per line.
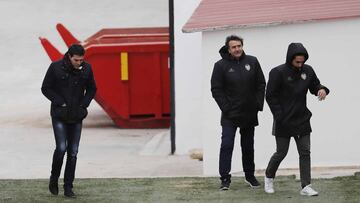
column 64, row 84
column 286, row 94
column 238, row 87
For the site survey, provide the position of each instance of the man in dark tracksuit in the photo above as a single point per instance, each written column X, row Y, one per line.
column 238, row 87
column 70, row 86
column 286, row 95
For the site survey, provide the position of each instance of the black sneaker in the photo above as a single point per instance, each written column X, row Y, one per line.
column 69, row 193
column 53, row 186
column 225, row 184
column 251, row 180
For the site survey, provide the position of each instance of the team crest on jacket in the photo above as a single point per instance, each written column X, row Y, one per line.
column 303, row 76
column 247, row 67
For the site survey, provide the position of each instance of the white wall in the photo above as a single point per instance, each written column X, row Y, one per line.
column 188, row 90
column 333, row 49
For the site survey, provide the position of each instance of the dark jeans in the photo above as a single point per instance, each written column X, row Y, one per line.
column 227, row 146
column 282, row 147
column 67, row 138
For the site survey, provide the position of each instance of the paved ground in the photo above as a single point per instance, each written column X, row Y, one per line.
column 105, row 150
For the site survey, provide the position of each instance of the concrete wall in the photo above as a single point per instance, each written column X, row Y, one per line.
column 333, row 49
column 188, row 76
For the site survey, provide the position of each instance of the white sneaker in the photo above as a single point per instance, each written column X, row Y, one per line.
column 269, row 185
column 308, row 191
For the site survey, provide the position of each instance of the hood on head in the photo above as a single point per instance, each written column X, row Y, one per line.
column 296, row 49
column 224, row 53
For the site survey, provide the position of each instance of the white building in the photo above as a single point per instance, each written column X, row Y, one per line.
column 329, row 30
column 188, row 78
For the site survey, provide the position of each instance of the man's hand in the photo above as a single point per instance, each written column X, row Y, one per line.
column 321, row 94
column 63, row 105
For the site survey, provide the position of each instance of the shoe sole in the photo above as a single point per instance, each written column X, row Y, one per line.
column 270, row 192
column 252, row 186
column 304, row 194
column 224, row 188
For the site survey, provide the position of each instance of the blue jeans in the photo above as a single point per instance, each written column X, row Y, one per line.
column 227, row 146
column 67, row 138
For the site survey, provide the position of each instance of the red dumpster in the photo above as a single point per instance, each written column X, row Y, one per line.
column 114, row 35
column 131, row 71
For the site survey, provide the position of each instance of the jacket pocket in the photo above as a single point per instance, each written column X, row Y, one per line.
column 76, row 114
column 82, row 113
column 61, row 112
column 236, row 109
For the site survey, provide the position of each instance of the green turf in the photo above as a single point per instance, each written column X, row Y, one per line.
column 340, row 189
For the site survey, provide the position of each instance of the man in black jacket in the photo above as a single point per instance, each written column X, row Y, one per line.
column 238, row 87
column 70, row 86
column 286, row 95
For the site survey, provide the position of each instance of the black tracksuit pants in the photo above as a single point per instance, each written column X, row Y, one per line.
column 282, row 148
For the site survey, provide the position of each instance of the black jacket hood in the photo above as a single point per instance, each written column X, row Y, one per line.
column 224, row 53
column 296, row 49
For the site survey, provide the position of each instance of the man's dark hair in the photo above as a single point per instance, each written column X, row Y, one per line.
column 76, row 49
column 235, row 38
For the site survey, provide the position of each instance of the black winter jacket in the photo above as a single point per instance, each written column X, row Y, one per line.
column 286, row 94
column 65, row 85
column 238, row 87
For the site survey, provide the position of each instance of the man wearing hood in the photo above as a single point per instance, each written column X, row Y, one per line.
column 70, row 86
column 238, row 87
column 286, row 96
